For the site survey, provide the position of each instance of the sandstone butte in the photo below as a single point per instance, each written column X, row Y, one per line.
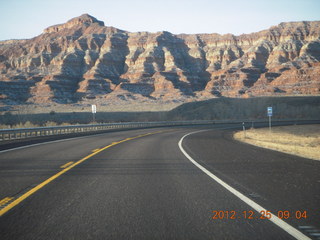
column 83, row 59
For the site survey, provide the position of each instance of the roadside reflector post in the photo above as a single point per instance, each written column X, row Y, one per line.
column 94, row 111
column 244, row 130
column 269, row 111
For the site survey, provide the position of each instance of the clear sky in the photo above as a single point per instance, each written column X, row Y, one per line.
column 27, row 18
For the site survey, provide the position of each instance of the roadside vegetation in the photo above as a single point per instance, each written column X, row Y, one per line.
column 300, row 140
column 251, row 109
column 32, row 125
column 52, row 118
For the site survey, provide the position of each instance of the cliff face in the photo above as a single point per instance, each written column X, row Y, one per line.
column 82, row 59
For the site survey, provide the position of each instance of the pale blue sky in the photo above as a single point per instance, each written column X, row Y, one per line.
column 27, row 18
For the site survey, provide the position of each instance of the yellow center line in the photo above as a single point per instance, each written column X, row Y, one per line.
column 44, row 183
column 66, row 165
column 5, row 200
column 95, row 150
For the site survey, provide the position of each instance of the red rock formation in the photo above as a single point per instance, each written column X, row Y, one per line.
column 84, row 59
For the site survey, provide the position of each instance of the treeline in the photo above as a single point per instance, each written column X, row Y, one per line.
column 41, row 119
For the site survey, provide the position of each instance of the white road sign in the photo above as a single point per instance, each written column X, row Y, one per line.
column 94, row 108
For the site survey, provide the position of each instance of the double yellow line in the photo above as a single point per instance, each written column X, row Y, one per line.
column 67, row 166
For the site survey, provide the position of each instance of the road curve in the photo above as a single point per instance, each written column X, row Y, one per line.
column 146, row 188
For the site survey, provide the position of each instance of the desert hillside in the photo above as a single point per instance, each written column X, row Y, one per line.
column 83, row 59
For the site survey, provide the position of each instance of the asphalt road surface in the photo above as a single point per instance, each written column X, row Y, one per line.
column 140, row 184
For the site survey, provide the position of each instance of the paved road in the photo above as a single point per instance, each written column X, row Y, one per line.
column 146, row 188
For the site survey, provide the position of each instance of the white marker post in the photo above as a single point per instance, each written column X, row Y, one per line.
column 269, row 110
column 94, row 111
column 244, row 130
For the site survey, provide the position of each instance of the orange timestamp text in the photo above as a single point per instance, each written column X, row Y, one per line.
column 264, row 214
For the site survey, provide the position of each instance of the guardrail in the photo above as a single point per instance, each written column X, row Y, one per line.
column 21, row 133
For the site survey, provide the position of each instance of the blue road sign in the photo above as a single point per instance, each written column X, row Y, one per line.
column 269, row 111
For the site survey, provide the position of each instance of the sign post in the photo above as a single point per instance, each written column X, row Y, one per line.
column 94, row 111
column 269, row 110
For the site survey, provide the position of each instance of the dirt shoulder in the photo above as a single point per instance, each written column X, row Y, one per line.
column 300, row 140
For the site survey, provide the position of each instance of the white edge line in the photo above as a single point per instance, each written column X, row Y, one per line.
column 279, row 222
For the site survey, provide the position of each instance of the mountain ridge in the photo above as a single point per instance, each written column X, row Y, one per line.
column 83, row 61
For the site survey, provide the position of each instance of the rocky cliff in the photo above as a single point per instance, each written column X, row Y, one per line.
column 83, row 59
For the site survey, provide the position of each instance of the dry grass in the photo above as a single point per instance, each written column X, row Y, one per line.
column 31, row 125
column 303, row 140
